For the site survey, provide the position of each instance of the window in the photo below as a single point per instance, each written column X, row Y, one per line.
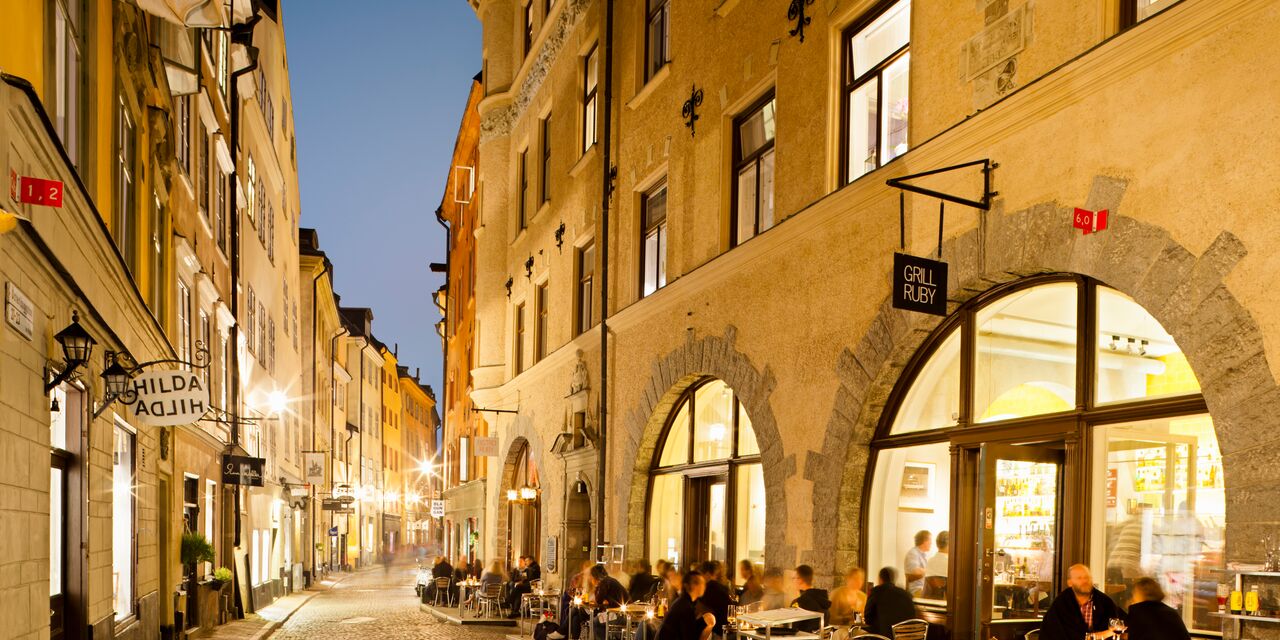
column 202, row 343
column 590, row 110
column 222, row 60
column 1134, row 11
column 251, row 325
column 122, row 528
column 657, row 36
column 210, row 491
column 910, row 492
column 540, row 342
column 519, row 339
column 158, row 244
column 653, row 240
column 697, row 476
column 190, row 503
column 271, row 345
column 586, row 303
column 66, row 423
column 262, row 334
column 251, row 190
column 528, row 28
column 184, row 322
column 546, row 159
column 225, row 381
column 753, row 166
column 220, row 208
column 68, row 68
column 126, row 200
column 876, row 65
column 182, row 132
column 522, row 192
column 204, row 176
column 1026, row 354
column 270, row 232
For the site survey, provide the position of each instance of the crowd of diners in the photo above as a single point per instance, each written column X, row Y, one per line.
column 694, row 604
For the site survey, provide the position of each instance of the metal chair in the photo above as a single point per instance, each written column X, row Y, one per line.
column 489, row 599
column 443, row 591
column 870, row 636
column 1033, row 634
column 916, row 629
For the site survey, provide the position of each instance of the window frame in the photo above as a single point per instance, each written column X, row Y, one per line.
column 518, row 339
column 849, row 85
column 545, row 133
column 541, row 328
column 527, row 28
column 646, row 230
column 584, row 318
column 131, row 435
column 68, row 102
column 522, row 187
column 590, row 100
column 663, row 12
column 126, row 183
column 740, row 162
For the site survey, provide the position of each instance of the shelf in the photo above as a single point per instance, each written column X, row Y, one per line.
column 1242, row 617
column 1260, row 574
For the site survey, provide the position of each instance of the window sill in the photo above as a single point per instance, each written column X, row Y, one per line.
column 725, row 7
column 587, row 157
column 650, row 87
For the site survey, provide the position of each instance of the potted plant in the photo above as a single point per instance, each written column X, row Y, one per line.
column 194, row 550
column 221, row 576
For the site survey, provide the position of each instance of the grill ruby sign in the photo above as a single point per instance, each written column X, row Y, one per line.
column 169, row 398
column 919, row 284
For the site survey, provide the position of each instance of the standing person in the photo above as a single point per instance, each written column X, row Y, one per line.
column 935, row 570
column 888, row 604
column 1079, row 609
column 811, row 599
column 916, row 560
column 715, row 597
column 775, row 595
column 1150, row 618
column 643, row 582
column 850, row 598
column 752, row 590
column 683, row 621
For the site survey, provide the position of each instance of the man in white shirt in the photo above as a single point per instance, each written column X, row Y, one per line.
column 935, row 571
column 917, row 558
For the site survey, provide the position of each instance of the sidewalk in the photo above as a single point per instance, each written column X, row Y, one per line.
column 261, row 623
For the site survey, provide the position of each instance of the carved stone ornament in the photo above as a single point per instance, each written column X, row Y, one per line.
column 580, row 381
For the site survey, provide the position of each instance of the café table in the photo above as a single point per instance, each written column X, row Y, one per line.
column 763, row 622
column 467, row 588
column 540, row 602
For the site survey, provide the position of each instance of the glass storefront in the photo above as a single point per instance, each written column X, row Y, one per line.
column 1050, row 422
column 706, row 499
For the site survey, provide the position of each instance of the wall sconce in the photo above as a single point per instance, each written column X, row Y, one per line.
column 528, row 267
column 560, row 237
column 77, row 346
column 523, row 495
column 509, row 283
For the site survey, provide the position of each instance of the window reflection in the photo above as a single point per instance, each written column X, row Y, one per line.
column 1137, row 358
column 934, row 398
column 1026, row 354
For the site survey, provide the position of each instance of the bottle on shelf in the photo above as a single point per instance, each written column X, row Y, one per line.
column 1251, row 601
column 1237, row 601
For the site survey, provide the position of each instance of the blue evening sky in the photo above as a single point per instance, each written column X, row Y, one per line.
column 378, row 93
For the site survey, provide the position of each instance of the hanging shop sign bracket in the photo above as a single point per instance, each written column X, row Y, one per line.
column 159, row 398
column 901, row 182
column 483, row 410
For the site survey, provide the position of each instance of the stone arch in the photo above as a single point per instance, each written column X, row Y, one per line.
column 1185, row 293
column 672, row 374
column 519, row 435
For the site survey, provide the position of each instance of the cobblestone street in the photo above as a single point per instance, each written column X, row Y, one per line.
column 375, row 604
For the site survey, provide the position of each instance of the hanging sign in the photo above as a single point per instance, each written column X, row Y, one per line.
column 313, row 468
column 437, row 508
column 1089, row 221
column 18, row 311
column 245, row 471
column 332, row 504
column 35, row 190
column 169, row 398
column 919, row 284
column 487, row 447
column 333, row 531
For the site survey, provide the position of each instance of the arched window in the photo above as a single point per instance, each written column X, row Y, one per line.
column 706, row 499
column 1049, row 422
column 524, row 506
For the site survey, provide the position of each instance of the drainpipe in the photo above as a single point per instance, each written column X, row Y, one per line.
column 311, row 508
column 602, row 439
column 333, row 400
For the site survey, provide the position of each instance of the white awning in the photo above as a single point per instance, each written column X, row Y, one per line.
column 188, row 13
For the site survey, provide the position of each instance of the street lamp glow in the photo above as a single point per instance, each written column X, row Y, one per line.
column 426, row 468
column 277, row 402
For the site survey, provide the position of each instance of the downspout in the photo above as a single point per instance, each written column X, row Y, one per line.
column 360, row 459
column 311, row 507
column 444, row 337
column 333, row 400
column 602, row 439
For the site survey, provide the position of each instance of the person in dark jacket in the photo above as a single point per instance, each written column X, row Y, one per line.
column 1150, row 618
column 643, row 582
column 1079, row 609
column 811, row 599
column 888, row 604
column 716, row 599
column 682, row 621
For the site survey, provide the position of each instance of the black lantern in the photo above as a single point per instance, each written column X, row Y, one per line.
column 76, row 343
column 116, row 379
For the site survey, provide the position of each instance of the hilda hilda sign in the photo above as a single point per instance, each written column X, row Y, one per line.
column 169, row 398
column 919, row 284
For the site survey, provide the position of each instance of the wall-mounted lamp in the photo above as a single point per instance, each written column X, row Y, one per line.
column 77, row 346
column 509, row 283
column 560, row 237
column 528, row 267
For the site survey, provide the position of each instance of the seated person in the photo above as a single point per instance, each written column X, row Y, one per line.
column 643, row 583
column 1079, row 609
column 888, row 604
column 683, row 621
column 811, row 599
column 751, row 590
column 775, row 595
column 715, row 597
column 849, row 599
column 1150, row 618
column 935, row 570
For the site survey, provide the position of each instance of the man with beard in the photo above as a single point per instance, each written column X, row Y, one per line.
column 1080, row 609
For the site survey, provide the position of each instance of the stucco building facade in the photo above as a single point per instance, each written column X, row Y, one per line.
column 750, row 252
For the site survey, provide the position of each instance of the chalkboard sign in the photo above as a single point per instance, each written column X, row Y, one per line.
column 919, row 284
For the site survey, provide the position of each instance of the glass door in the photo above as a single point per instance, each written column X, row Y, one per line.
column 706, row 522
column 1019, row 533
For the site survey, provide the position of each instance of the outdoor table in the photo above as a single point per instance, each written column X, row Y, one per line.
column 765, row 621
column 463, row 588
column 546, row 599
column 635, row 617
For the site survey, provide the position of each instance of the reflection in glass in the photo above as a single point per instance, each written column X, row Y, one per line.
column 910, row 492
column 716, row 533
column 933, row 401
column 747, row 445
column 1159, row 497
column 666, row 518
column 676, row 449
column 713, row 422
column 1026, row 354
column 1137, row 358
column 894, row 125
column 1024, row 538
column 749, row 533
column 881, row 39
column 863, row 122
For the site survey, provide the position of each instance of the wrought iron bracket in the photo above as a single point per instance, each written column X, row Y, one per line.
column 796, row 12
column 68, row 371
column 483, row 410
column 509, row 282
column 987, row 194
column 200, row 361
column 560, row 238
column 689, row 111
column 528, row 267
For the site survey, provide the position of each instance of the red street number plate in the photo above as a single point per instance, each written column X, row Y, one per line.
column 37, row 191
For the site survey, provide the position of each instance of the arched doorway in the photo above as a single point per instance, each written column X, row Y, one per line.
column 1048, row 422
column 706, row 484
column 523, row 499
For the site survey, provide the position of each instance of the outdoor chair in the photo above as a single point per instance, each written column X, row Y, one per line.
column 911, row 630
column 1033, row 634
column 443, row 588
column 870, row 636
column 490, row 600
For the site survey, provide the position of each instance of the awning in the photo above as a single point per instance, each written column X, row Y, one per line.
column 178, row 51
column 188, row 13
